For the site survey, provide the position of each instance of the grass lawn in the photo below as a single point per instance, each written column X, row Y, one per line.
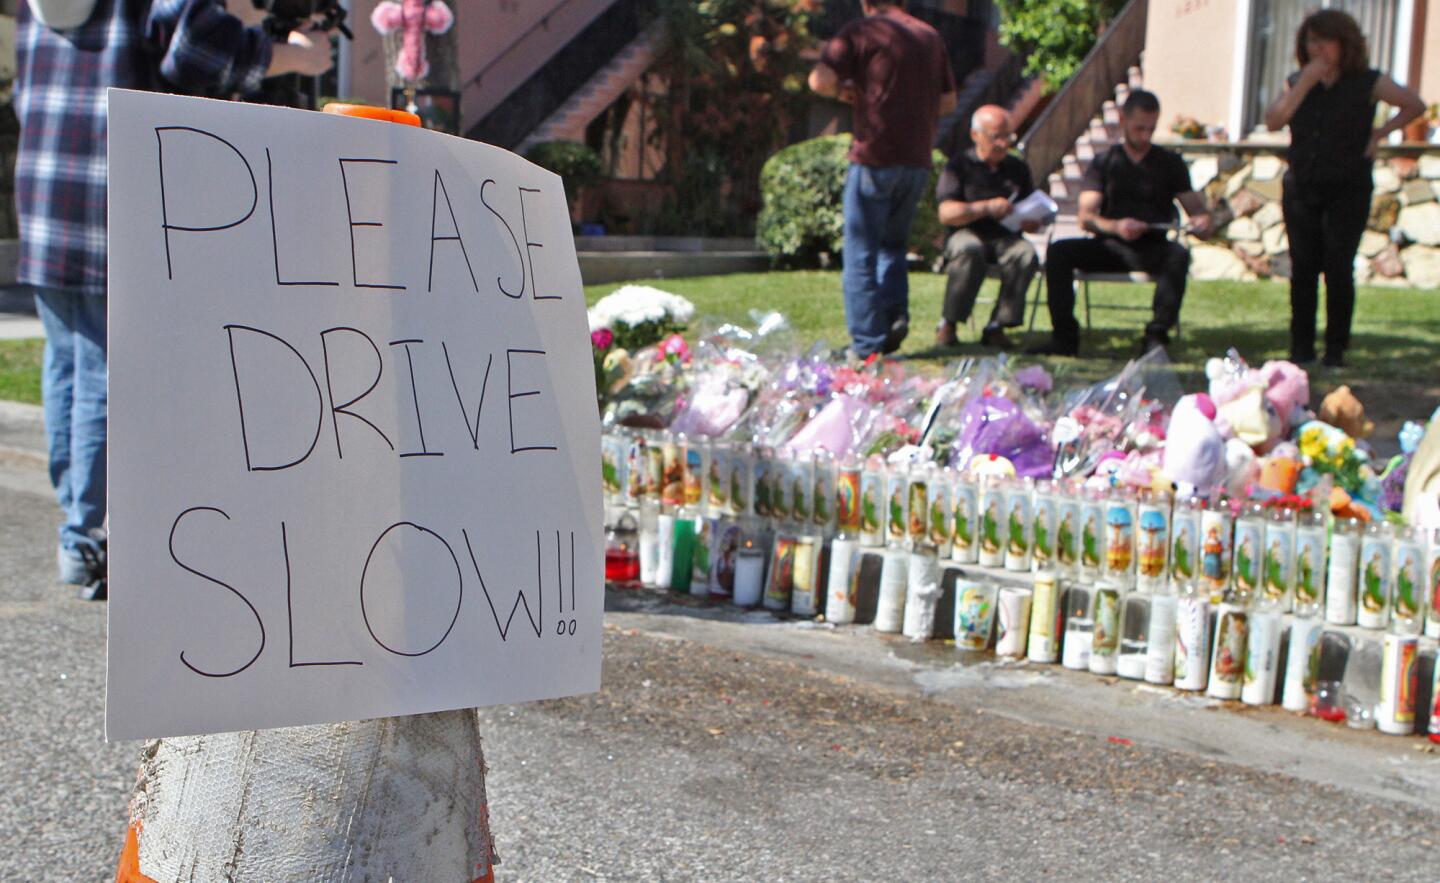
column 1396, row 335
column 20, row 370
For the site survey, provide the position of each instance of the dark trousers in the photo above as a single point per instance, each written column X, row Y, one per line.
column 968, row 256
column 1168, row 262
column 1324, row 224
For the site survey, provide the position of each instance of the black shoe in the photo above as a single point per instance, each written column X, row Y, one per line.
column 1334, row 360
column 1052, row 347
column 995, row 337
column 1302, row 357
column 896, row 336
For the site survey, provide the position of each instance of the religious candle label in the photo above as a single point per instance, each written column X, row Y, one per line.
column 965, row 521
column 1153, row 540
column 823, row 500
column 847, row 500
column 897, row 489
column 917, row 506
column 1042, row 548
column 1375, row 580
column 1408, row 582
column 1092, row 521
column 1183, row 549
column 1215, row 537
column 872, row 492
column 1279, row 562
column 352, row 426
column 940, row 513
column 1309, row 565
column 1067, row 534
column 1248, row 535
column 719, row 480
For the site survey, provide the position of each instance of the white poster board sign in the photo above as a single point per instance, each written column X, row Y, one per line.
column 354, row 448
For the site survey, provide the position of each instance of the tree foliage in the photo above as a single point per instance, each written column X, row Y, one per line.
column 1054, row 35
column 736, row 84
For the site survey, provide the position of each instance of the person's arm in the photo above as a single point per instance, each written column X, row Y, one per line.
column 948, row 103
column 207, row 50
column 1202, row 223
column 956, row 213
column 1408, row 107
column 824, row 81
column 1279, row 114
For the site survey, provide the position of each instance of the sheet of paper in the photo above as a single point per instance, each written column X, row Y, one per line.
column 1037, row 206
column 354, row 445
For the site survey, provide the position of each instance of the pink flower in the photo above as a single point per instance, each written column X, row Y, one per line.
column 675, row 349
column 601, row 338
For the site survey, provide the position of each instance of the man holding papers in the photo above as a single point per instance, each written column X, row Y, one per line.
column 1127, row 202
column 987, row 195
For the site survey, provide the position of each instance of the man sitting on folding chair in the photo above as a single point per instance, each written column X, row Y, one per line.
column 1127, row 202
column 976, row 190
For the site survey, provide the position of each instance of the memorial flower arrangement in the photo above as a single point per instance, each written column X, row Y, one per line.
column 626, row 321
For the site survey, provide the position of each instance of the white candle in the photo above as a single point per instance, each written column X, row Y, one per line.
column 840, row 603
column 1014, row 613
column 894, row 579
column 1343, row 571
column 649, row 554
column 804, row 592
column 1395, row 714
column 1160, row 653
column 922, row 595
column 974, row 614
column 1192, row 643
column 1079, row 629
column 1227, row 658
column 1044, row 640
column 749, row 575
column 1262, row 651
column 665, row 559
column 1304, row 638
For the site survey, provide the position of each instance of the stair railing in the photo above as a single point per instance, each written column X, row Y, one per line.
column 1068, row 115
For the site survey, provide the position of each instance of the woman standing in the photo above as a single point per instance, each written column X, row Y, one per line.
column 1329, row 105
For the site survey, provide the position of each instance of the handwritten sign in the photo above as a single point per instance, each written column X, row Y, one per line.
column 353, row 435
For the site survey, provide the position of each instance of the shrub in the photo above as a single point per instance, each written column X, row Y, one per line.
column 577, row 164
column 803, row 188
column 1053, row 36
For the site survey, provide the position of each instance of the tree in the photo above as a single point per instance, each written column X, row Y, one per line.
column 736, row 83
column 1053, row 36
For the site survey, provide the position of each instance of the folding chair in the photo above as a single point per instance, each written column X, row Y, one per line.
column 1040, row 239
column 1084, row 279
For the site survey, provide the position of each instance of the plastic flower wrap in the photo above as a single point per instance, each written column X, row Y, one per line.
column 653, row 394
column 1329, row 451
column 725, row 378
column 1104, row 417
column 996, row 425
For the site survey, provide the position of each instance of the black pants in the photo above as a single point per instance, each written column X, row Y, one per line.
column 1324, row 223
column 1167, row 261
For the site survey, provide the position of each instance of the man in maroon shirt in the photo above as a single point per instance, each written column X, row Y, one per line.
column 895, row 71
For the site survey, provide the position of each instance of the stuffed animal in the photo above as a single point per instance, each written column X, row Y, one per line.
column 1342, row 410
column 414, row 19
column 1287, row 388
column 1194, row 456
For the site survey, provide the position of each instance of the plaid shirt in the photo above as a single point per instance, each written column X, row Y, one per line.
column 191, row 46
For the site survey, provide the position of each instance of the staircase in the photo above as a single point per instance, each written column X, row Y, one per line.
column 568, row 121
column 1104, row 130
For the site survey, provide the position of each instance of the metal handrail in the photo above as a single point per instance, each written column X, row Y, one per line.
column 542, row 23
column 1067, row 116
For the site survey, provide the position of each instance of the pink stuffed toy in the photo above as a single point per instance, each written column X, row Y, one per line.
column 1287, row 387
column 414, row 19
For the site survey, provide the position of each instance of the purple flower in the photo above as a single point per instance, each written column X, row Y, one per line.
column 601, row 338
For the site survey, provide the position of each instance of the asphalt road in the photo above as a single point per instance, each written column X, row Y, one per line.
column 728, row 746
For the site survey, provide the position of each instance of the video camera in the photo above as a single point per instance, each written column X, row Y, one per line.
column 284, row 16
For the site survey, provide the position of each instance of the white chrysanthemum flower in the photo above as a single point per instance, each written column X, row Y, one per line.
column 635, row 304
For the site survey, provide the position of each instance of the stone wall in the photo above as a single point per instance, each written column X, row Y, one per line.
column 1401, row 246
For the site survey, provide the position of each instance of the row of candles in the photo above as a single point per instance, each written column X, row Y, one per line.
column 747, row 523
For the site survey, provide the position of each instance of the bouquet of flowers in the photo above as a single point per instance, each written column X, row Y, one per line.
column 625, row 321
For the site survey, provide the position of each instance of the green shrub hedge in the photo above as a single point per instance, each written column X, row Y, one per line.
column 802, row 217
column 576, row 163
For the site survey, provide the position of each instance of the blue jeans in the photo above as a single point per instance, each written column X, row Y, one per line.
column 879, row 207
column 74, row 384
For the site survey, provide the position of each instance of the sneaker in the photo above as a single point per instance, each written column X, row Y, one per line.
column 75, row 565
column 97, row 590
column 995, row 338
column 896, row 336
column 945, row 334
column 1052, row 347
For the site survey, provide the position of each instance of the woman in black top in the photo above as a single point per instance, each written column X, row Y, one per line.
column 1329, row 105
